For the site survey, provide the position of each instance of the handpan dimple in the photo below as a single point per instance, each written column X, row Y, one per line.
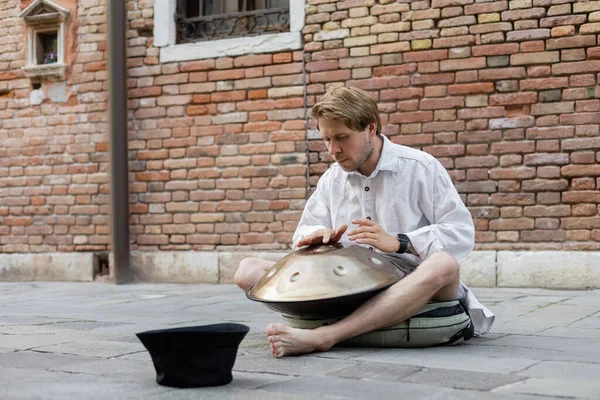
column 295, row 277
column 376, row 261
column 339, row 270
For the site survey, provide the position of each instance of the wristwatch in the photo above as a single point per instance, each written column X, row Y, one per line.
column 404, row 242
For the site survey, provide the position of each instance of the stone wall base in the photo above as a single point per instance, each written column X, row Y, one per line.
column 536, row 269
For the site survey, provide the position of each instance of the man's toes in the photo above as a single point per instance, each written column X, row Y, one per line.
column 274, row 338
column 273, row 329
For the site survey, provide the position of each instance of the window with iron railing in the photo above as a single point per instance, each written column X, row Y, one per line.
column 203, row 20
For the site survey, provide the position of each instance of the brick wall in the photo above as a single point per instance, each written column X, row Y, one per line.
column 504, row 93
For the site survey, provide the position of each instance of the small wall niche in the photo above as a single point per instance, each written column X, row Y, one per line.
column 45, row 21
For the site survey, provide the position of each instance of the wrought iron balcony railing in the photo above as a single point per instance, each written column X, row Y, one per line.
column 223, row 26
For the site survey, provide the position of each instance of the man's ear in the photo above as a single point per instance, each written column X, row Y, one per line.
column 373, row 128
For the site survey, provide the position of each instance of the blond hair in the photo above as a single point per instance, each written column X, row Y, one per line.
column 352, row 105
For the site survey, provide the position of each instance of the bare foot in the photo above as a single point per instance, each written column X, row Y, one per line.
column 286, row 341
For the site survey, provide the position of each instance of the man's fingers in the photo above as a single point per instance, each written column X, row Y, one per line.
column 361, row 229
column 363, row 221
column 364, row 235
column 337, row 235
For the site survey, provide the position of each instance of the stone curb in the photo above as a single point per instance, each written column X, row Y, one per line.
column 535, row 269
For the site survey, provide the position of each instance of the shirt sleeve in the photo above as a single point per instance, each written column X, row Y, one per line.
column 451, row 227
column 316, row 214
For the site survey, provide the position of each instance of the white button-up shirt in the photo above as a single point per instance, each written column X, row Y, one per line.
column 409, row 192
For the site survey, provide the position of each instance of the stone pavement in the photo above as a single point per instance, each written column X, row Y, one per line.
column 77, row 341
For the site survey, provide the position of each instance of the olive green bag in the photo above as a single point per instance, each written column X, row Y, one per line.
column 438, row 323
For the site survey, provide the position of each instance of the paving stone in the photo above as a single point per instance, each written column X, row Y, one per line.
column 572, row 333
column 34, row 359
column 119, row 368
column 556, row 388
column 297, row 366
column 588, row 323
column 562, row 369
column 6, row 350
column 459, row 380
column 377, row 371
column 477, row 395
column 355, row 389
column 457, row 361
column 97, row 348
column 37, row 384
column 550, row 343
column 229, row 392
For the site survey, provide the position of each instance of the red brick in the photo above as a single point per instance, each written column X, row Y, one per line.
column 454, row 41
column 394, row 70
column 484, row 8
column 562, row 20
column 576, row 67
column 378, row 83
column 322, row 65
column 201, row 98
column 225, row 75
column 593, row 53
column 330, row 76
column 253, row 60
column 502, row 73
column 583, row 80
column 545, row 83
column 145, row 92
column 580, row 119
column 559, row 31
column 471, row 88
column 330, row 54
column 464, row 63
column 443, row 126
column 538, row 70
column 495, row 49
column 282, row 58
column 432, row 79
column 442, row 103
column 257, row 94
column 513, row 98
column 18, row 221
column 401, row 94
column 236, row 95
column 152, row 176
column 533, row 46
column 408, row 117
column 513, row 199
column 544, row 57
column 197, row 65
column 476, row 113
column 571, row 42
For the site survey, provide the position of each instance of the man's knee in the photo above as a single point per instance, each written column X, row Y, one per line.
column 443, row 269
column 246, row 274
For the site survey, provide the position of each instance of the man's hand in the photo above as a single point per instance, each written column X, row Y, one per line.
column 323, row 236
column 368, row 232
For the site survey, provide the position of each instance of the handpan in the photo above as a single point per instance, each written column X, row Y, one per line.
column 325, row 281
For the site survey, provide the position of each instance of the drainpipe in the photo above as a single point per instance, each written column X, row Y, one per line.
column 119, row 181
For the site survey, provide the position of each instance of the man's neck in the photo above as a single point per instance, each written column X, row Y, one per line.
column 371, row 163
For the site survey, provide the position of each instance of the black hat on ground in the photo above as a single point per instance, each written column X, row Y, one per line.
column 194, row 356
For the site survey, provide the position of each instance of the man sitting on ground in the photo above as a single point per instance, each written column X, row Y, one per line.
column 402, row 203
